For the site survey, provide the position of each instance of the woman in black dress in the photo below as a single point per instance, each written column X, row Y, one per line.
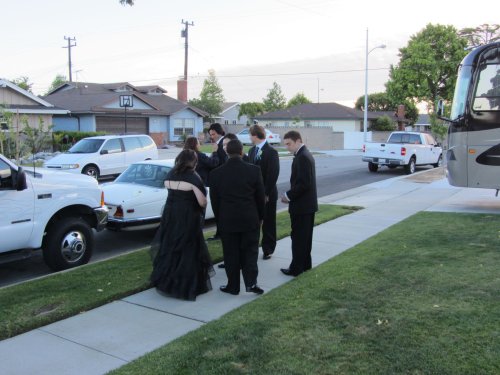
column 205, row 163
column 182, row 267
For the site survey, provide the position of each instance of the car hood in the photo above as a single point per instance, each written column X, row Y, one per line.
column 118, row 192
column 46, row 176
column 66, row 158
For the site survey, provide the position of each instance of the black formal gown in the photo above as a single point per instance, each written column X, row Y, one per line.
column 182, row 266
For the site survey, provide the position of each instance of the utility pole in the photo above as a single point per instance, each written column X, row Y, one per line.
column 69, row 39
column 184, row 34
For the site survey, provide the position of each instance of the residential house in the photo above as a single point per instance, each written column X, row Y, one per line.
column 229, row 115
column 338, row 118
column 423, row 123
column 124, row 108
column 24, row 105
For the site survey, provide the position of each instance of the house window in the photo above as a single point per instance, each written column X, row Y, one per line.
column 226, row 122
column 308, row 124
column 3, row 124
column 234, row 122
column 183, row 126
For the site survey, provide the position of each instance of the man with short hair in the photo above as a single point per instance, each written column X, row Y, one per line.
column 303, row 203
column 237, row 197
column 266, row 157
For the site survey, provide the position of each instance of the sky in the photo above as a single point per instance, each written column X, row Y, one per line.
column 316, row 47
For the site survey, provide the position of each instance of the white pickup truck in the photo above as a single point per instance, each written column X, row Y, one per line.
column 54, row 211
column 407, row 149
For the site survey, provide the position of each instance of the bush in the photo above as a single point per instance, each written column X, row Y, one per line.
column 384, row 123
column 63, row 140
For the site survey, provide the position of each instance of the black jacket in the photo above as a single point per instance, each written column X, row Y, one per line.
column 302, row 194
column 269, row 164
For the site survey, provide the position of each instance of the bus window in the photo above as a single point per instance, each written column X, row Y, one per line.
column 487, row 93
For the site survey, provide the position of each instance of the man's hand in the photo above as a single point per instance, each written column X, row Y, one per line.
column 284, row 199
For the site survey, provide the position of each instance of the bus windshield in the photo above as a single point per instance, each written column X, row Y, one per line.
column 487, row 93
column 460, row 95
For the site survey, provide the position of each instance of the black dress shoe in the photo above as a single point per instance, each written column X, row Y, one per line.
column 224, row 289
column 267, row 256
column 255, row 289
column 214, row 238
column 222, row 265
column 288, row 272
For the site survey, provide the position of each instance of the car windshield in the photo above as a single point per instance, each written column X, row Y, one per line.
column 86, row 146
column 145, row 174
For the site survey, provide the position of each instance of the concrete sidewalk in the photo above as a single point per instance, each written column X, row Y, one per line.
column 112, row 335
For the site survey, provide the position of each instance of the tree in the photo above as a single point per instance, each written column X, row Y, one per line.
column 23, row 82
column 275, row 100
column 299, row 98
column 58, row 81
column 384, row 123
column 211, row 98
column 484, row 34
column 381, row 101
column 376, row 102
column 427, row 67
column 251, row 109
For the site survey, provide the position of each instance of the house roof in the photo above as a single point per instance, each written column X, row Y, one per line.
column 87, row 97
column 228, row 105
column 38, row 106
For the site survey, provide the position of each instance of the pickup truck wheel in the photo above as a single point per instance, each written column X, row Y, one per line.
column 91, row 170
column 439, row 162
column 410, row 167
column 68, row 243
column 372, row 167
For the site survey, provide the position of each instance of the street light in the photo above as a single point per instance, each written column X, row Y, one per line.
column 365, row 118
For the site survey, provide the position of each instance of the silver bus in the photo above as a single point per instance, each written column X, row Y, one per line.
column 473, row 156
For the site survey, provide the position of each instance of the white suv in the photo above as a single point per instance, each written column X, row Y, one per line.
column 104, row 155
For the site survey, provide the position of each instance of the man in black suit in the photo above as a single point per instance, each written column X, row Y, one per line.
column 238, row 199
column 217, row 136
column 266, row 157
column 303, row 203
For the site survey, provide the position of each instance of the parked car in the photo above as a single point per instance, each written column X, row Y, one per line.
column 104, row 155
column 272, row 138
column 406, row 149
column 136, row 199
column 54, row 211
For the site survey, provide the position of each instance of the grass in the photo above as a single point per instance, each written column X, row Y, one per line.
column 422, row 297
column 39, row 302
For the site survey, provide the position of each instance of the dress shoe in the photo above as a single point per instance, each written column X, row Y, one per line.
column 255, row 289
column 224, row 289
column 267, row 256
column 222, row 265
column 214, row 238
column 288, row 272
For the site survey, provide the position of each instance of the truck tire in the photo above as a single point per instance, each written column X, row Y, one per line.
column 372, row 167
column 68, row 243
column 91, row 170
column 410, row 167
column 439, row 162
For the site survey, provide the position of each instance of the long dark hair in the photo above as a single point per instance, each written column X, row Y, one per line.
column 191, row 144
column 185, row 161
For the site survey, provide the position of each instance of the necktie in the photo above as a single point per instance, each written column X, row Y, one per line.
column 257, row 154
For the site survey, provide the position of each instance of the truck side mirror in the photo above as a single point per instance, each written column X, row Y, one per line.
column 20, row 180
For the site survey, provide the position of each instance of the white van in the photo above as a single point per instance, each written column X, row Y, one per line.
column 104, row 155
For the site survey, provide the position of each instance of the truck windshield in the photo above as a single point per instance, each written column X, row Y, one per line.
column 86, row 146
column 460, row 96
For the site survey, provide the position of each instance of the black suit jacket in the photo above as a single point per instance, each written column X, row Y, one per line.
column 206, row 164
column 237, row 196
column 269, row 164
column 220, row 151
column 302, row 194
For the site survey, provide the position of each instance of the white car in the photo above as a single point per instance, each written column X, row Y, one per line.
column 272, row 138
column 136, row 199
column 104, row 155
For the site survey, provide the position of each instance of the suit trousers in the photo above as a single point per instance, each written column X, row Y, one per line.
column 269, row 227
column 241, row 250
column 302, row 235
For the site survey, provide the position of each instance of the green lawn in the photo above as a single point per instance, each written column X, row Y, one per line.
column 422, row 297
column 39, row 302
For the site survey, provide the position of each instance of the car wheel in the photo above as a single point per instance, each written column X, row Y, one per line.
column 372, row 167
column 68, row 243
column 439, row 162
column 91, row 170
column 410, row 167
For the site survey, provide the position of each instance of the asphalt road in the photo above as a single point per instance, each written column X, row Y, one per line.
column 333, row 174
